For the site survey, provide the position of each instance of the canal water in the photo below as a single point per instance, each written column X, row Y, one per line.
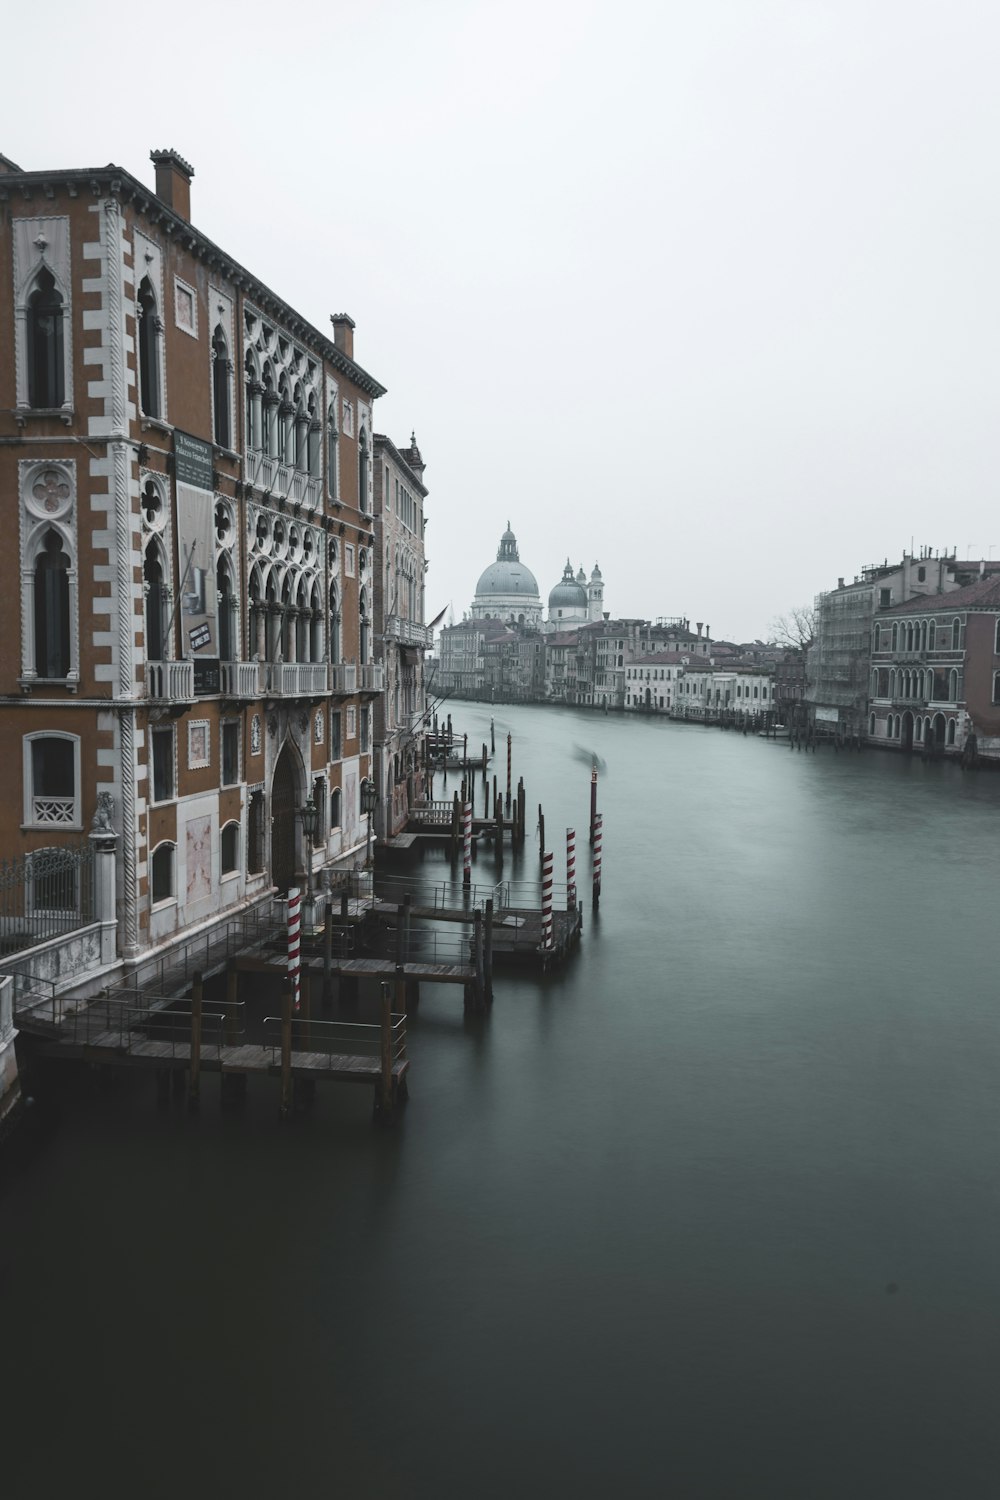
column 712, row 1213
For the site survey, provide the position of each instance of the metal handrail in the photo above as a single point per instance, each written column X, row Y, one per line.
column 370, row 1041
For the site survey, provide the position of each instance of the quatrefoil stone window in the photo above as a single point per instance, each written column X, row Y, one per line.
column 225, row 531
column 51, row 492
column 153, row 510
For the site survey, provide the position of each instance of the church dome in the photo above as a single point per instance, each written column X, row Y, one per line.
column 568, row 593
column 507, row 575
column 507, row 589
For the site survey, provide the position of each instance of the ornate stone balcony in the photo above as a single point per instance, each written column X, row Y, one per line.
column 170, row 681
column 408, row 633
column 372, row 677
column 343, row 679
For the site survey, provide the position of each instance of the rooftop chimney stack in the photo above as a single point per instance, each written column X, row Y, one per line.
column 343, row 333
column 173, row 181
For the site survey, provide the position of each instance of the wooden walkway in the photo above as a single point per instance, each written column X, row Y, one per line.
column 110, row 1048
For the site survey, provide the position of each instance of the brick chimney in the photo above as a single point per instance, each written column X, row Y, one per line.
column 173, row 181
column 343, row 333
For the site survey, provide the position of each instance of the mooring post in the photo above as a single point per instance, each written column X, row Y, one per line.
column 593, row 801
column 541, row 834
column 285, row 1102
column 521, row 809
column 547, row 899
column 456, row 823
column 196, row 1003
column 465, row 751
column 488, row 951
column 485, row 778
column 477, row 957
column 467, row 847
column 598, row 825
column 328, row 956
column 493, row 742
column 509, row 743
column 570, row 869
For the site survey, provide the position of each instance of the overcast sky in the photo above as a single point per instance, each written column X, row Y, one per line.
column 706, row 292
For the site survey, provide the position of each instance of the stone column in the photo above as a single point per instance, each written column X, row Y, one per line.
column 105, row 843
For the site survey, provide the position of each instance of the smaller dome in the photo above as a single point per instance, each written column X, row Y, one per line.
column 568, row 594
column 596, row 575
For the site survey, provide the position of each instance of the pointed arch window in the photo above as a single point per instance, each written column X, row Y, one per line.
column 332, row 454
column 46, row 359
column 363, row 471
column 52, row 609
column 156, row 604
column 150, row 329
column 227, row 611
column 221, row 387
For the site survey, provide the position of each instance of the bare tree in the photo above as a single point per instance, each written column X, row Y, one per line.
column 795, row 629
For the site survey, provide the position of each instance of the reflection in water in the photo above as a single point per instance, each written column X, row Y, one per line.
column 713, row 1212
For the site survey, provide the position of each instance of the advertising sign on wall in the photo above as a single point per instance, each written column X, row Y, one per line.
column 196, row 540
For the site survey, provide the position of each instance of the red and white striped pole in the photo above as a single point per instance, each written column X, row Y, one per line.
column 467, row 845
column 598, row 825
column 570, row 869
column 593, row 801
column 294, row 942
column 508, row 772
column 547, row 899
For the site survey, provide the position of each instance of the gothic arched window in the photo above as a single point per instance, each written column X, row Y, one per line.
column 149, row 349
column 220, row 387
column 52, row 658
column 46, row 369
column 363, row 470
column 156, row 604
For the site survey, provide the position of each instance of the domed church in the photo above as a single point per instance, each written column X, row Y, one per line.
column 507, row 589
column 575, row 602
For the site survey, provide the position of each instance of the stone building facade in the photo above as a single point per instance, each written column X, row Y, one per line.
column 187, row 477
column 401, row 635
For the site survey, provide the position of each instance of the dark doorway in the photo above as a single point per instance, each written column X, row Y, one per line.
column 283, row 822
column 907, row 731
column 938, row 729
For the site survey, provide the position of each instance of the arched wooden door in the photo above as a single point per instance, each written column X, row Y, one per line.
column 283, row 822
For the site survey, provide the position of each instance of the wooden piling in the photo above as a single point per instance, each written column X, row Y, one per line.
column 593, row 801
column 509, row 744
column 196, row 1007
column 456, row 823
column 521, row 809
column 541, row 834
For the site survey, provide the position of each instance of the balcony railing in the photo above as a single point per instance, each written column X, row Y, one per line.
column 240, row 679
column 373, row 677
column 170, row 680
column 281, row 479
column 409, row 633
column 294, row 679
column 344, row 678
